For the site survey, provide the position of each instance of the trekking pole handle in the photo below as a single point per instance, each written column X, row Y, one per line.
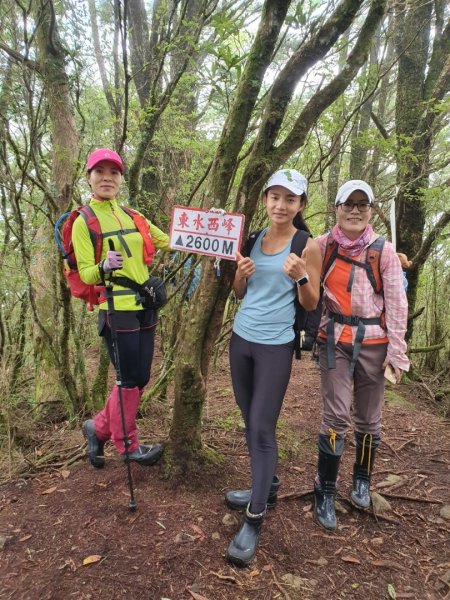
column 113, row 260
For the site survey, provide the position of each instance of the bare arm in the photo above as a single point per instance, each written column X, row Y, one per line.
column 310, row 262
column 245, row 268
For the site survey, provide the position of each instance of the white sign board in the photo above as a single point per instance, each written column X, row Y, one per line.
column 210, row 232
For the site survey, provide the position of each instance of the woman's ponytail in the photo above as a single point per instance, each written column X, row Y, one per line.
column 298, row 221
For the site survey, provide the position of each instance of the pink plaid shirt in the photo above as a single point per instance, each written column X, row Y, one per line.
column 366, row 303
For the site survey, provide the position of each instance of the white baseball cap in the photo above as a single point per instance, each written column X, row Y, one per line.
column 291, row 179
column 351, row 186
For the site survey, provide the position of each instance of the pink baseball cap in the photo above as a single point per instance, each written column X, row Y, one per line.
column 104, row 154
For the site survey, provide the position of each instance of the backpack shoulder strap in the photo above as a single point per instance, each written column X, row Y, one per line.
column 373, row 260
column 94, row 228
column 299, row 241
column 331, row 251
column 130, row 212
column 143, row 227
column 248, row 246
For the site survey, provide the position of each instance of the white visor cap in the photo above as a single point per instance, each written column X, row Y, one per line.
column 291, row 179
column 351, row 186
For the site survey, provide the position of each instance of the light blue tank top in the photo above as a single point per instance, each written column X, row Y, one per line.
column 267, row 312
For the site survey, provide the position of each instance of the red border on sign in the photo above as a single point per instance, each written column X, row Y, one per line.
column 237, row 239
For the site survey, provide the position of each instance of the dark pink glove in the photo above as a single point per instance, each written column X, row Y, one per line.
column 113, row 261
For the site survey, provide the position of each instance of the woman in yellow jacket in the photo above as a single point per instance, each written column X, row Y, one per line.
column 135, row 324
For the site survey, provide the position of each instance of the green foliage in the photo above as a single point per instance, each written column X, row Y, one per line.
column 433, row 324
column 183, row 147
column 394, row 399
column 232, row 422
column 391, row 591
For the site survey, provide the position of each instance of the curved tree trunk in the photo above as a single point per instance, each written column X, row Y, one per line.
column 200, row 331
column 421, row 84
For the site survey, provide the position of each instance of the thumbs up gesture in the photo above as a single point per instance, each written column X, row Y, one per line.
column 296, row 266
column 245, row 266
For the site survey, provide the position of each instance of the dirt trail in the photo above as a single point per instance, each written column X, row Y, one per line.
column 173, row 546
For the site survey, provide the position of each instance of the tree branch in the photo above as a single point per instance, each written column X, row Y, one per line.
column 236, row 125
column 440, row 53
column 325, row 97
column 428, row 242
column 287, row 80
column 99, row 57
column 379, row 126
column 426, row 349
column 20, row 58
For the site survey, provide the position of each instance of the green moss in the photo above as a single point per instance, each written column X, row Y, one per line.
column 232, row 422
column 292, row 444
column 224, row 392
column 394, row 399
column 202, row 461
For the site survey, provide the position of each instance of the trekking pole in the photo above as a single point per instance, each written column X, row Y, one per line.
column 112, row 323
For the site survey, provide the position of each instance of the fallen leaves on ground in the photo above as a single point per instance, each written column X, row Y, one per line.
column 90, row 560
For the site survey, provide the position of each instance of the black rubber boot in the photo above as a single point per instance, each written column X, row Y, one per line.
column 145, row 455
column 324, row 507
column 366, row 449
column 330, row 451
column 242, row 548
column 240, row 499
column 94, row 445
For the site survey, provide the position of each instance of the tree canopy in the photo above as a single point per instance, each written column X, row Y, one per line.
column 205, row 99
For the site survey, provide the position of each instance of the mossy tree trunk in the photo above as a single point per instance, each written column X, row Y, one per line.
column 422, row 83
column 200, row 331
column 49, row 298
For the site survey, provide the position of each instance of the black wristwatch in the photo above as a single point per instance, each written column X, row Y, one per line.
column 304, row 279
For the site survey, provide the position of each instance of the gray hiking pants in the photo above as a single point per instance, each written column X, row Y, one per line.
column 364, row 390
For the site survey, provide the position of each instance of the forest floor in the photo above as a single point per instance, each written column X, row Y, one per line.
column 53, row 520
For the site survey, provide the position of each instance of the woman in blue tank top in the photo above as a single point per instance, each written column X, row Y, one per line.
column 262, row 343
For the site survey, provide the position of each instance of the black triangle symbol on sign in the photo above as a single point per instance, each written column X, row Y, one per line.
column 179, row 241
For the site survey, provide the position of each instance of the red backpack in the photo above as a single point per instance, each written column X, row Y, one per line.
column 93, row 294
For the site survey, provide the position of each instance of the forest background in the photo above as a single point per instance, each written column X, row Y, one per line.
column 205, row 99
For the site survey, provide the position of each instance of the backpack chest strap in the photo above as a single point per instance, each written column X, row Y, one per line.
column 354, row 321
column 354, row 264
column 120, row 234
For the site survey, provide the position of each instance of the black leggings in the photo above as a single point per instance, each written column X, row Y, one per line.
column 260, row 375
column 136, row 340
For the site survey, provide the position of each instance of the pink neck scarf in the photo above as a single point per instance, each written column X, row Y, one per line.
column 352, row 247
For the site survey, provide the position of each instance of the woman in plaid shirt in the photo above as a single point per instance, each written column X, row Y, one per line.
column 361, row 334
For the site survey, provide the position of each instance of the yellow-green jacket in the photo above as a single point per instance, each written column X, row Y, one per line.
column 113, row 219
